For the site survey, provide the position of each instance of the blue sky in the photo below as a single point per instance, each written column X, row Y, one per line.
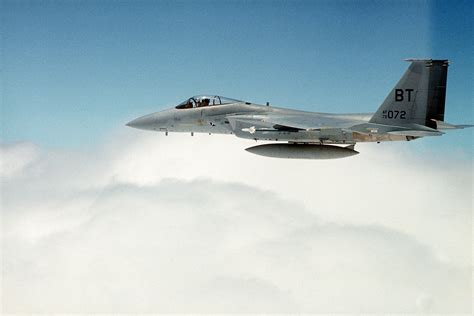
column 73, row 72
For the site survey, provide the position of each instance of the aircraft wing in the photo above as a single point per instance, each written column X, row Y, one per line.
column 415, row 133
column 292, row 122
column 415, row 130
column 309, row 122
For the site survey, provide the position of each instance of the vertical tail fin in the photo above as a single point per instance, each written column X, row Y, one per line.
column 418, row 98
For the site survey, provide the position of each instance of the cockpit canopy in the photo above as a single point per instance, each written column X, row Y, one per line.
column 205, row 100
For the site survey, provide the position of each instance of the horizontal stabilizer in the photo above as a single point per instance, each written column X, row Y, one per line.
column 444, row 125
column 417, row 130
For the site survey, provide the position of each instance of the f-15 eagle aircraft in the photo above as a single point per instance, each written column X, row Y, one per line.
column 413, row 109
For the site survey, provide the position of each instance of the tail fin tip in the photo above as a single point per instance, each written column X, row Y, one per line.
column 428, row 60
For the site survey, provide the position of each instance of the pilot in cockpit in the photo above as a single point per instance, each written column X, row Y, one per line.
column 189, row 104
column 202, row 103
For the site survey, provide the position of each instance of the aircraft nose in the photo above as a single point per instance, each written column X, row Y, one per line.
column 143, row 122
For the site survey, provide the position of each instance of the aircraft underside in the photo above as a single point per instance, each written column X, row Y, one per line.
column 328, row 136
column 262, row 132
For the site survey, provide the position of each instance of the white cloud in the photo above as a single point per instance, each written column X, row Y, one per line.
column 15, row 158
column 148, row 223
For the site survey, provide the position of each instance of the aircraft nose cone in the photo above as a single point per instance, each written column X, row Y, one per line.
column 144, row 122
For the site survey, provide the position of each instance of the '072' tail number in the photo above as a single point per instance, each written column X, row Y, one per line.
column 395, row 114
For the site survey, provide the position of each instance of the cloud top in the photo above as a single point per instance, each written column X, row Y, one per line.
column 149, row 223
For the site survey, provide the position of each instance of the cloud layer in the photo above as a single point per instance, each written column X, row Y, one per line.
column 147, row 223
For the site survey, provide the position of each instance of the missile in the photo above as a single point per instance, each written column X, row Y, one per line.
column 302, row 151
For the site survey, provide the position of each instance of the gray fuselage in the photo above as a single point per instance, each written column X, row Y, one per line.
column 254, row 121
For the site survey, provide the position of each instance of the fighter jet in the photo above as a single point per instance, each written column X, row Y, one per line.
column 414, row 108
